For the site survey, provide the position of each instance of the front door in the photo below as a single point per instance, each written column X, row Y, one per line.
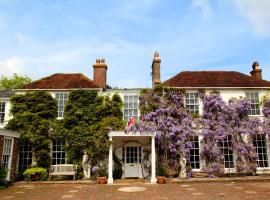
column 132, row 161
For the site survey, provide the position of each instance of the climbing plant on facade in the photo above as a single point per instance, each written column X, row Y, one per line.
column 33, row 114
column 220, row 121
column 88, row 118
column 164, row 113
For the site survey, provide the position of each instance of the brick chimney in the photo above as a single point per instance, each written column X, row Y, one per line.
column 256, row 72
column 100, row 73
column 156, row 70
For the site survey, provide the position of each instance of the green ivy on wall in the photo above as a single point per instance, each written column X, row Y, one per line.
column 33, row 114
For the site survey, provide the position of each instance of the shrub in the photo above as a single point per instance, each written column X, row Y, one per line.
column 161, row 171
column 3, row 175
column 35, row 173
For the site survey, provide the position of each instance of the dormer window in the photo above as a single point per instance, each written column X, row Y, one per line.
column 253, row 98
column 61, row 98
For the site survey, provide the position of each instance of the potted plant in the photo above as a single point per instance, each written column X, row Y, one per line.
column 161, row 175
column 100, row 174
column 35, row 174
column 102, row 177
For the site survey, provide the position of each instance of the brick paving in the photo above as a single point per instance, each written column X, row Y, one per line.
column 191, row 191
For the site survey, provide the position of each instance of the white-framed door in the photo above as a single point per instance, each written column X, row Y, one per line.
column 7, row 155
column 132, row 161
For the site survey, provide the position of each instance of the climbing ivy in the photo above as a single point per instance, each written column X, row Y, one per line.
column 88, row 118
column 33, row 114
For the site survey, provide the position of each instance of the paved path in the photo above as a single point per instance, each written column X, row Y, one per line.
column 202, row 191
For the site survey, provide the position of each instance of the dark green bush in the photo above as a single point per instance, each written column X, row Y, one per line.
column 161, row 171
column 3, row 176
column 35, row 173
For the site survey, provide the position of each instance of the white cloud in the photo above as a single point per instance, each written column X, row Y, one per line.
column 204, row 6
column 12, row 65
column 258, row 14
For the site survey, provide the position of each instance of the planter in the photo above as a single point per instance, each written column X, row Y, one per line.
column 35, row 177
column 161, row 180
column 102, row 180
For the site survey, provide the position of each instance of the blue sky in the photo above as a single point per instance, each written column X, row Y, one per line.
column 42, row 37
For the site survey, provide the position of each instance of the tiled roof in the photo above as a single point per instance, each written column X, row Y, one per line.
column 6, row 93
column 62, row 81
column 214, row 79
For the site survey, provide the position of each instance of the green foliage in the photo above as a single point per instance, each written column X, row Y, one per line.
column 33, row 116
column 14, row 82
column 88, row 118
column 161, row 171
column 102, row 172
column 32, row 173
column 3, row 176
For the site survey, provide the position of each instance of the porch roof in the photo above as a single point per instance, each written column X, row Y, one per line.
column 9, row 133
column 130, row 134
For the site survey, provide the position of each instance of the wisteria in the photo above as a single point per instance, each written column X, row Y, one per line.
column 173, row 125
column 266, row 113
column 163, row 111
column 214, row 129
column 242, row 128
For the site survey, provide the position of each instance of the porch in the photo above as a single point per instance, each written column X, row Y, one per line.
column 136, row 152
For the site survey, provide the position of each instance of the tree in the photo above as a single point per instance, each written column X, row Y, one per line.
column 164, row 113
column 88, row 118
column 15, row 81
column 33, row 114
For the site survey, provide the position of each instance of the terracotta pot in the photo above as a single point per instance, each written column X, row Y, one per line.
column 102, row 180
column 35, row 177
column 161, row 180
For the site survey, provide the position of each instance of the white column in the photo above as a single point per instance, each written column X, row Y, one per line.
column 153, row 161
column 110, row 173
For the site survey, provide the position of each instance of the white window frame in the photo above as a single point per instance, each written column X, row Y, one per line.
column 128, row 108
column 248, row 93
column 195, row 104
column 2, row 120
column 52, row 152
column 10, row 155
column 22, row 151
column 200, row 160
column 222, row 148
column 267, row 153
column 62, row 97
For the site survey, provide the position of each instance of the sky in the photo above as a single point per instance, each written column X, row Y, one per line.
column 42, row 37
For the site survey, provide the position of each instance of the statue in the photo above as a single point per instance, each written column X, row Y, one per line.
column 86, row 166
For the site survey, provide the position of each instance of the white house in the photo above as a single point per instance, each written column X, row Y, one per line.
column 134, row 150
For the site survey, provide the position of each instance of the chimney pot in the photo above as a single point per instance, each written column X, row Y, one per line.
column 100, row 73
column 156, row 69
column 256, row 71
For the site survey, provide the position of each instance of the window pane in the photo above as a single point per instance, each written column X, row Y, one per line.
column 131, row 106
column 226, row 150
column 61, row 99
column 194, row 153
column 192, row 103
column 58, row 152
column 259, row 142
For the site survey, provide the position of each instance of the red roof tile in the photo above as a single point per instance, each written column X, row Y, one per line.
column 62, row 81
column 214, row 79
